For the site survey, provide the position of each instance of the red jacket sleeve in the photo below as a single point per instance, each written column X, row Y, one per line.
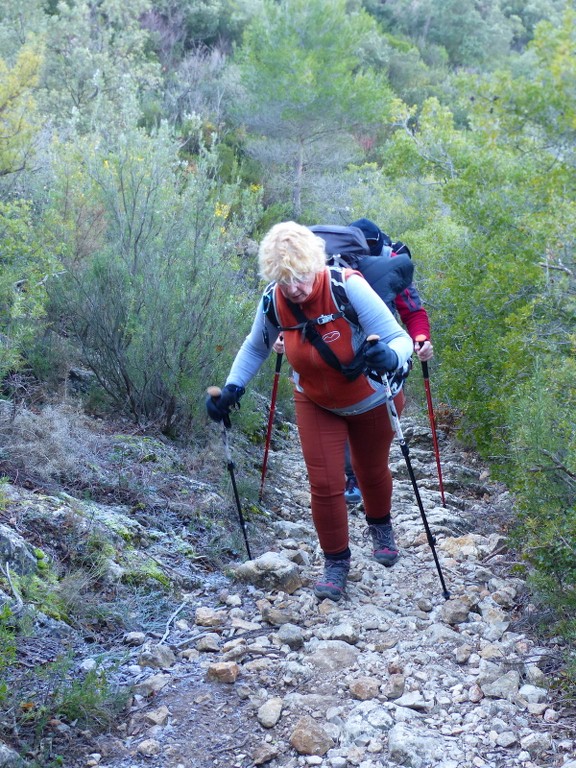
column 412, row 313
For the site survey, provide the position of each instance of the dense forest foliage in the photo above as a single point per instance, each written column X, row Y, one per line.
column 147, row 145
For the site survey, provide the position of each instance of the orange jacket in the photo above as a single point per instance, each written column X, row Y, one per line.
column 323, row 384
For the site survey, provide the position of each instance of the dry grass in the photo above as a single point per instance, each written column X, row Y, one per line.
column 48, row 444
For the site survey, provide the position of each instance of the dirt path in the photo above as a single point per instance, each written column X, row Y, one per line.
column 393, row 675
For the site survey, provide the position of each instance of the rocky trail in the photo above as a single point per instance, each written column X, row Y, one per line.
column 260, row 673
column 251, row 669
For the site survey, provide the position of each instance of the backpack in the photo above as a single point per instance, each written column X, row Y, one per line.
column 388, row 274
column 346, row 247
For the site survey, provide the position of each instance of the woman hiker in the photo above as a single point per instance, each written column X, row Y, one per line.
column 331, row 407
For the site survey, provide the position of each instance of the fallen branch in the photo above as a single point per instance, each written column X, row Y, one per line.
column 171, row 619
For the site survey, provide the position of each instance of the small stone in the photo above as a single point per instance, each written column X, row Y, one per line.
column 277, row 617
column 264, row 753
column 209, row 643
column 475, row 694
column 134, row 638
column 414, row 700
column 269, row 713
column 492, row 652
column 158, row 716
column 504, row 687
column 462, row 653
column 182, row 625
column 190, row 654
column 152, row 684
column 149, row 747
column 532, row 694
column 223, row 672
column 394, row 686
column 158, row 657
column 455, row 611
column 506, row 739
column 207, row 617
column 291, row 635
column 345, row 632
column 424, row 604
column 365, row 688
column 309, row 738
column 535, row 743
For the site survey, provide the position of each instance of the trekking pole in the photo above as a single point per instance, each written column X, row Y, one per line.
column 433, row 426
column 270, row 422
column 395, row 421
column 214, row 393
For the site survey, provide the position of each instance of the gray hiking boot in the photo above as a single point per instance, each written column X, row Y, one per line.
column 385, row 549
column 333, row 582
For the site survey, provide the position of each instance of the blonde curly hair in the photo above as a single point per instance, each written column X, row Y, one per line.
column 290, row 252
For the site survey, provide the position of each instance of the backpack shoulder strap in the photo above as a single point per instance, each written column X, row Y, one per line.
column 269, row 312
column 338, row 289
column 268, row 307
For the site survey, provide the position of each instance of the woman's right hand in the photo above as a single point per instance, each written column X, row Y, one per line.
column 219, row 405
column 278, row 345
column 379, row 357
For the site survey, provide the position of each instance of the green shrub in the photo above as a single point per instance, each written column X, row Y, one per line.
column 544, row 451
column 7, row 648
column 156, row 294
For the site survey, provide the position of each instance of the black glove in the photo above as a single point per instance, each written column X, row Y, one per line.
column 380, row 358
column 219, row 407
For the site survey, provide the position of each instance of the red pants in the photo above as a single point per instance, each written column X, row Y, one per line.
column 323, row 436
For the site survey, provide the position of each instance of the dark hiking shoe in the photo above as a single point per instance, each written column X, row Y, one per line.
column 333, row 582
column 352, row 493
column 385, row 549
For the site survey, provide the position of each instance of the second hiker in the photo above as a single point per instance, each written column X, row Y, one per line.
column 408, row 305
column 336, row 401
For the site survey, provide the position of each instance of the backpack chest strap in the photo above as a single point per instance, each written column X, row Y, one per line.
column 310, row 333
column 297, row 312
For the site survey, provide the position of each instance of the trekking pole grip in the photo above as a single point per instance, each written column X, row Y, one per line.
column 425, row 369
column 214, row 393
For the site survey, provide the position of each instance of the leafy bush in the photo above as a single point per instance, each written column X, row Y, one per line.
column 152, row 294
column 544, row 448
column 24, row 267
column 7, row 648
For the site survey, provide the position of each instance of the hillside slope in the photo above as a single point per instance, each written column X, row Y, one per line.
column 232, row 663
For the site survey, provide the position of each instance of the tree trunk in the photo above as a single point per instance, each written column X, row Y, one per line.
column 297, row 188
